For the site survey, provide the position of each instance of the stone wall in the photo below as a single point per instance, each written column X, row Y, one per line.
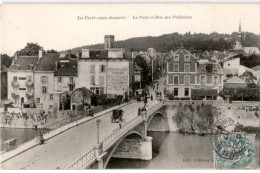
column 158, row 123
column 245, row 113
column 135, row 149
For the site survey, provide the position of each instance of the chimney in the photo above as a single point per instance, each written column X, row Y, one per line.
column 40, row 53
column 109, row 41
column 77, row 55
column 85, row 53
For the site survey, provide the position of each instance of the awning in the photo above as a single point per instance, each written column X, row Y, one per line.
column 204, row 92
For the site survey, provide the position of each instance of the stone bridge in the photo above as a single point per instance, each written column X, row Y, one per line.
column 130, row 141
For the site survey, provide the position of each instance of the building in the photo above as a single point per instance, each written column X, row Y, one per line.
column 106, row 71
column 66, row 73
column 80, row 97
column 209, row 79
column 251, row 50
column 3, row 80
column 21, row 79
column 44, row 80
column 181, row 73
column 234, row 82
column 188, row 77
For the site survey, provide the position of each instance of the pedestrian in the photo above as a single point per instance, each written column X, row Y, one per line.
column 120, row 123
column 139, row 111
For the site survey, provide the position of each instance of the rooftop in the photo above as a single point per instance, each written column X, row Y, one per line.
column 67, row 68
column 47, row 63
column 23, row 62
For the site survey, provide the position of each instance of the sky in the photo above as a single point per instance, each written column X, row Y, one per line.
column 62, row 27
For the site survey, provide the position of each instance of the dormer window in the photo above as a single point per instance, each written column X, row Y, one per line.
column 176, row 57
column 187, row 58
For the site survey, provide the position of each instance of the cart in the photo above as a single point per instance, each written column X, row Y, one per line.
column 117, row 115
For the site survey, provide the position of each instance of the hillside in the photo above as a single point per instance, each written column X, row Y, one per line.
column 167, row 42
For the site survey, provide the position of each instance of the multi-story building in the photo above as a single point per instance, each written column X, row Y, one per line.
column 66, row 73
column 21, row 79
column 181, row 73
column 3, row 80
column 188, row 77
column 44, row 80
column 209, row 79
column 107, row 71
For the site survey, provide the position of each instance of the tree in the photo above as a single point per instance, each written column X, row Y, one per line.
column 140, row 61
column 52, row 51
column 31, row 49
column 6, row 60
column 249, row 77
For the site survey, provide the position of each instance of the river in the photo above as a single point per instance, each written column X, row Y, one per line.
column 175, row 151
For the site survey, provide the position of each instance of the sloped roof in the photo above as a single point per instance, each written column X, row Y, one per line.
column 23, row 62
column 47, row 63
column 256, row 68
column 84, row 90
column 67, row 68
column 137, row 67
column 234, row 79
column 251, row 49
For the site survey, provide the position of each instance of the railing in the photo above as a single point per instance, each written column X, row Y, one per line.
column 28, row 137
column 112, row 138
column 84, row 161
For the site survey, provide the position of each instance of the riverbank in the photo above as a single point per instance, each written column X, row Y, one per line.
column 199, row 117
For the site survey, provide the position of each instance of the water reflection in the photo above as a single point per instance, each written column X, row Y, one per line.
column 175, row 151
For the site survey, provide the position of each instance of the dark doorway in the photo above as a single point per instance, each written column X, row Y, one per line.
column 22, row 100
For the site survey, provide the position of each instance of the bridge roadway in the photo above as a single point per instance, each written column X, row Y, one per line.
column 63, row 149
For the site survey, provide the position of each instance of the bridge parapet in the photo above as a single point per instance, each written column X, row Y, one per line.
column 90, row 157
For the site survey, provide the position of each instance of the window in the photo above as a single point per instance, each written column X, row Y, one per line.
column 92, row 68
column 38, row 100
column 175, row 92
column 71, row 80
column 101, row 80
column 186, row 67
column 101, row 90
column 29, row 78
column 187, row 58
column 228, row 64
column 59, row 79
column 15, row 78
column 92, row 80
column 176, row 79
column 176, row 67
column 102, row 68
column 176, row 57
column 215, row 80
column 215, row 71
column 50, row 106
column 170, row 78
column 198, row 79
column 170, row 67
column 44, row 79
column 203, row 80
column 186, row 80
column 208, row 79
column 186, row 91
column 71, row 87
column 92, row 89
column 44, row 90
column 51, row 96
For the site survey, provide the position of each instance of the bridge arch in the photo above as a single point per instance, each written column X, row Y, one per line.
column 158, row 122
column 114, row 148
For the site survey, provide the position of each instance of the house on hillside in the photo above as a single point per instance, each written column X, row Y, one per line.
column 80, row 97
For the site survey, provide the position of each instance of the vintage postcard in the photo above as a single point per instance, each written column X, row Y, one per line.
column 130, row 86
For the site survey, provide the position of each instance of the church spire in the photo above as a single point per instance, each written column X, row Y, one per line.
column 240, row 25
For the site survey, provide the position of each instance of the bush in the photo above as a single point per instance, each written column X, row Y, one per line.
column 194, row 119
